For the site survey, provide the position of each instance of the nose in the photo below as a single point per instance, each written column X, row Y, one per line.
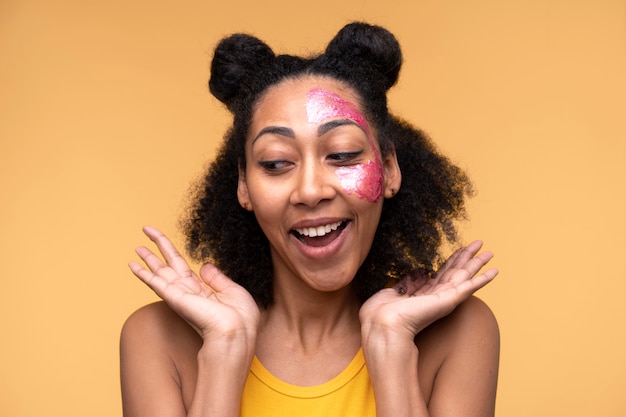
column 313, row 184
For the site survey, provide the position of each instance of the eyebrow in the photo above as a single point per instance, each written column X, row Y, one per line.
column 321, row 130
column 332, row 124
column 276, row 130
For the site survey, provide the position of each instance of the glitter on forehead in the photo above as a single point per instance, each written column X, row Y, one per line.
column 364, row 180
column 322, row 105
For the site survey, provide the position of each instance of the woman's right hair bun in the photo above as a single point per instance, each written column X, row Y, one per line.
column 235, row 60
column 372, row 45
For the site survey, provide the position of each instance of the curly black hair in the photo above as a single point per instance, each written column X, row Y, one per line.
column 414, row 223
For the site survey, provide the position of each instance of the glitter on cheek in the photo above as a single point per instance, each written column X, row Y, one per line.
column 364, row 180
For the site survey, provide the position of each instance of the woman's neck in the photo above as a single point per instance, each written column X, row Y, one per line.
column 307, row 340
column 308, row 320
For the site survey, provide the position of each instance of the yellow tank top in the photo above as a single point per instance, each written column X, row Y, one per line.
column 348, row 394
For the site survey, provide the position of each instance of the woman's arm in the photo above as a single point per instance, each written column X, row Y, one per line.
column 392, row 364
column 469, row 372
column 152, row 384
column 157, row 342
column 390, row 321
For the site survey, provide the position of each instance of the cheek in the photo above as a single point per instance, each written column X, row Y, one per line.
column 363, row 180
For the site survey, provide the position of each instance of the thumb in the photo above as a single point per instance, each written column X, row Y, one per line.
column 215, row 278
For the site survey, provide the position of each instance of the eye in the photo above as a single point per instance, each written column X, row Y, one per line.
column 275, row 166
column 344, row 157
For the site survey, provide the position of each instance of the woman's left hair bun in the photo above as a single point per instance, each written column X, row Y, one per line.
column 235, row 59
column 367, row 47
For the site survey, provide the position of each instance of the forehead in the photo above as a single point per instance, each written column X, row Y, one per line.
column 292, row 95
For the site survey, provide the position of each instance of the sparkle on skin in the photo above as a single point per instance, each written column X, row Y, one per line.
column 364, row 180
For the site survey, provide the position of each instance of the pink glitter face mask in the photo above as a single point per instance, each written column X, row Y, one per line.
column 363, row 180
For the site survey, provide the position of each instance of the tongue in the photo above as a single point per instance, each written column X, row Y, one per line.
column 322, row 240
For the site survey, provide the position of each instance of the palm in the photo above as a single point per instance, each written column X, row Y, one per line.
column 212, row 303
column 414, row 304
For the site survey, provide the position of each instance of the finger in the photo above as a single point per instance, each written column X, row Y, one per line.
column 467, row 253
column 152, row 261
column 458, row 292
column 166, row 284
column 156, row 282
column 139, row 271
column 470, row 286
column 451, row 259
column 156, row 265
column 468, row 270
column 460, row 257
column 214, row 278
column 485, row 278
column 166, row 247
column 186, row 280
column 476, row 263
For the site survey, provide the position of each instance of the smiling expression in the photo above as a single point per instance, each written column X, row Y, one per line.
column 314, row 179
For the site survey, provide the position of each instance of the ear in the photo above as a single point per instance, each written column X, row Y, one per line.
column 242, row 191
column 393, row 175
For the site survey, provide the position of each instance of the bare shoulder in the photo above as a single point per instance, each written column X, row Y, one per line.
column 459, row 356
column 471, row 328
column 158, row 352
column 470, row 322
column 473, row 319
column 156, row 331
column 155, row 322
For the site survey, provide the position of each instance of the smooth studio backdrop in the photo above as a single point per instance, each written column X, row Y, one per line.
column 105, row 120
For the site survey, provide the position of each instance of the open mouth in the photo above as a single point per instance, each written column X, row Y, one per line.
column 320, row 235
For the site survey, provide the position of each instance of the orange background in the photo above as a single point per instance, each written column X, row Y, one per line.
column 105, row 119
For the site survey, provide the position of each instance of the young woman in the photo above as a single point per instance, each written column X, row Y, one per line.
column 320, row 223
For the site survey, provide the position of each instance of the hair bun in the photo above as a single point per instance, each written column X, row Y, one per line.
column 236, row 58
column 372, row 45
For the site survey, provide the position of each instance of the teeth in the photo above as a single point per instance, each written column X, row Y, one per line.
column 318, row 231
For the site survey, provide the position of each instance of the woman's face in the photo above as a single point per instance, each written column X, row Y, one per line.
column 315, row 180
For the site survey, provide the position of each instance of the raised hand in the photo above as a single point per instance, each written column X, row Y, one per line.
column 212, row 304
column 413, row 304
